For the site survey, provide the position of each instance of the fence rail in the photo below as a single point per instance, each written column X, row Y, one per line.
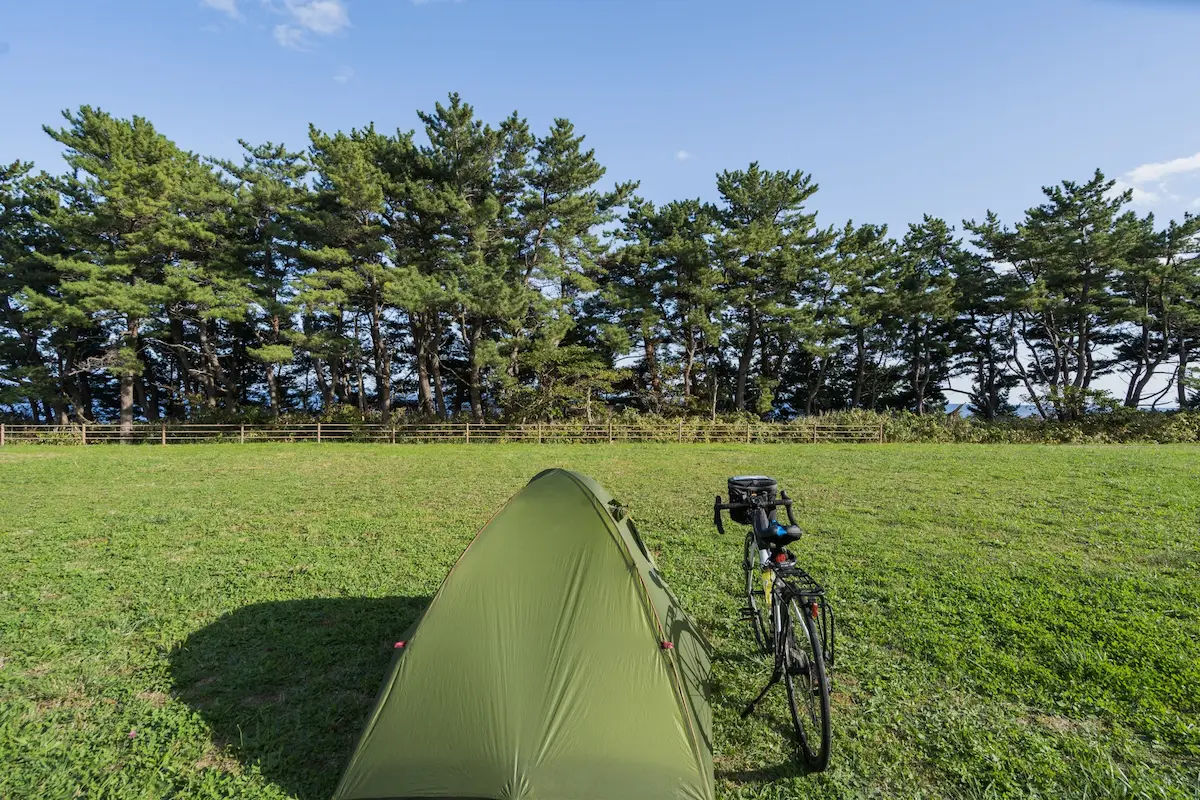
column 813, row 432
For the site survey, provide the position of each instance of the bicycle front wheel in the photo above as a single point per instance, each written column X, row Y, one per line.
column 807, row 683
column 754, row 593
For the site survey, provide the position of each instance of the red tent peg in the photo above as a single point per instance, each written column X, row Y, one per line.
column 400, row 645
column 668, row 645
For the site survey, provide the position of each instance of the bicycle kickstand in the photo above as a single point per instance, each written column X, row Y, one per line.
column 776, row 676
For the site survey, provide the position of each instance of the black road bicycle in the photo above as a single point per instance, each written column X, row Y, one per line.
column 787, row 610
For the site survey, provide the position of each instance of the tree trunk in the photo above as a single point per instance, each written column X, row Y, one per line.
column 915, row 378
column 1139, row 390
column 476, row 372
column 126, row 413
column 860, row 367
column 651, row 358
column 273, row 391
column 340, row 383
column 323, row 385
column 212, row 365
column 153, row 400
column 712, row 369
column 689, row 361
column 127, row 376
column 230, row 377
column 177, row 408
column 358, row 370
column 84, row 407
column 1181, row 375
column 362, row 391
column 421, row 348
column 739, row 399
column 818, row 384
column 383, row 362
column 271, row 371
column 144, row 393
column 61, row 401
column 435, row 369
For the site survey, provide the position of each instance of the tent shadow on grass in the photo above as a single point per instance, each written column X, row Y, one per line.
column 288, row 685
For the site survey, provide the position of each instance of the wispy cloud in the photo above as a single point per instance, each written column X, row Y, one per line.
column 1149, row 183
column 319, row 16
column 344, row 74
column 304, row 17
column 1138, row 195
column 682, row 155
column 229, row 7
column 290, row 36
column 1158, row 171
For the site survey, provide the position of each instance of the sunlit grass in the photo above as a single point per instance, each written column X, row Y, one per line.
column 213, row 621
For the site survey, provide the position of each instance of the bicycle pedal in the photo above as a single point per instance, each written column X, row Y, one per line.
column 749, row 613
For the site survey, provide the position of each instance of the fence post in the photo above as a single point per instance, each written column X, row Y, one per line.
column 681, row 430
column 83, row 433
column 393, row 432
column 881, row 433
column 468, row 435
column 163, row 431
column 539, row 432
column 814, row 429
column 318, row 433
column 610, row 431
column 747, row 432
column 1, row 434
column 242, row 434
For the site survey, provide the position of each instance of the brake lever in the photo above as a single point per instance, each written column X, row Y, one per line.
column 717, row 515
column 788, row 505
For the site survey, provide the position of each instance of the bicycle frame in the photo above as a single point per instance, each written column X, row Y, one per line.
column 788, row 582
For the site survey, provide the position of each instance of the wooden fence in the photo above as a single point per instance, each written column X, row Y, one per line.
column 812, row 432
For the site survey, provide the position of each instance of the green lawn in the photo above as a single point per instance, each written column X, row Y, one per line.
column 214, row 621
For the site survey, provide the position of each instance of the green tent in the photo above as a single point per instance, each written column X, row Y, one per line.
column 553, row 664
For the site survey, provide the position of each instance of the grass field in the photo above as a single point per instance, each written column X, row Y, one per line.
column 214, row 621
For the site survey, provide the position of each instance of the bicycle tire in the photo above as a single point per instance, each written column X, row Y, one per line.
column 754, row 593
column 810, row 685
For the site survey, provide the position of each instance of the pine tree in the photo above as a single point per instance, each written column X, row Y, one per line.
column 28, row 373
column 558, row 246
column 1154, row 292
column 351, row 281
column 1064, row 256
column 766, row 237
column 135, row 208
column 985, row 306
column 272, row 197
column 865, row 263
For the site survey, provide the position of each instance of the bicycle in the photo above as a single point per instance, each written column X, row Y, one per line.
column 800, row 633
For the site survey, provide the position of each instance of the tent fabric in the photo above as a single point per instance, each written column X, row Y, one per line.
column 553, row 664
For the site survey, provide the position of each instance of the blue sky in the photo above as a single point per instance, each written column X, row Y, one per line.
column 897, row 109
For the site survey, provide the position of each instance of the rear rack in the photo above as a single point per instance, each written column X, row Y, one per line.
column 799, row 581
column 805, row 586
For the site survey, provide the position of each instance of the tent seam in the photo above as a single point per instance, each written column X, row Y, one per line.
column 677, row 684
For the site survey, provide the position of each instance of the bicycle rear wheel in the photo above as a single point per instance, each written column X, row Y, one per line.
column 754, row 593
column 807, row 683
